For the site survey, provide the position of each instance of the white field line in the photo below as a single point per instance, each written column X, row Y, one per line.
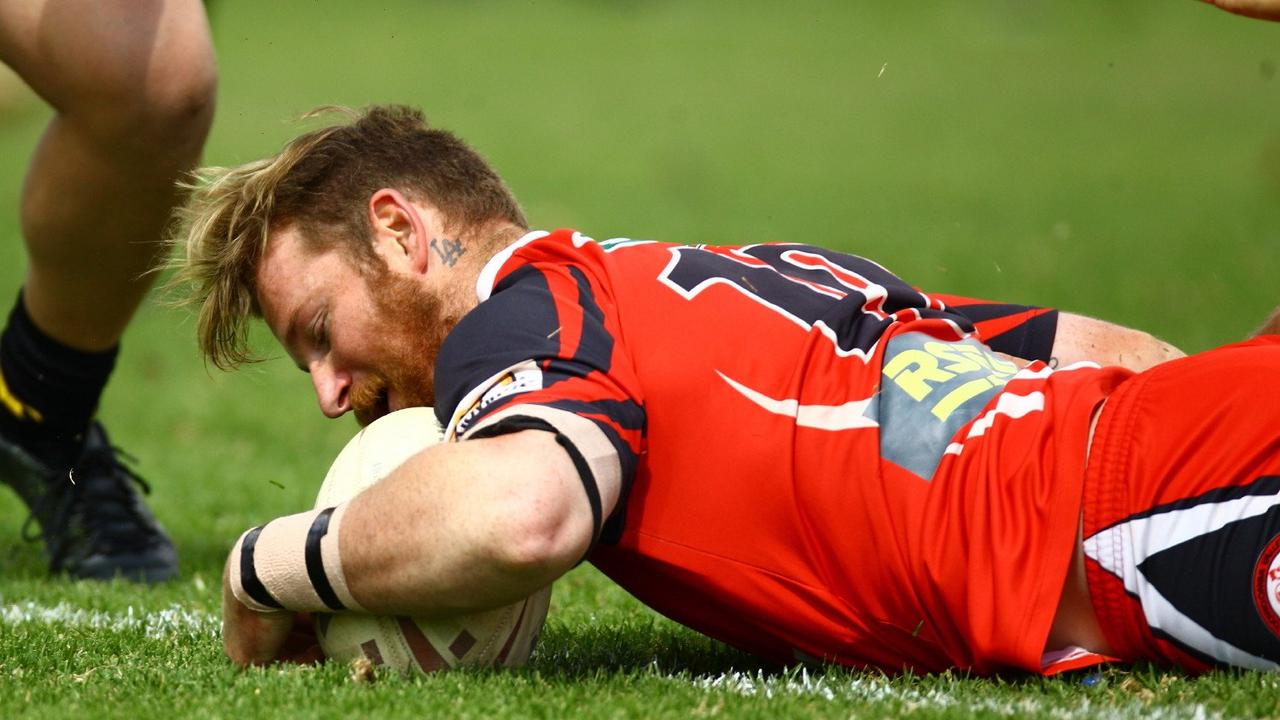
column 156, row 625
column 912, row 700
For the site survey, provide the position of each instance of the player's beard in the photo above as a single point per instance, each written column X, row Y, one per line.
column 411, row 324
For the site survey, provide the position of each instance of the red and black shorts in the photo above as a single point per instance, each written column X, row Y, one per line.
column 1182, row 511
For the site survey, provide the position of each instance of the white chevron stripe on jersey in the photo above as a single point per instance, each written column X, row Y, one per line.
column 848, row 416
column 1009, row 405
column 1044, row 372
column 1121, row 548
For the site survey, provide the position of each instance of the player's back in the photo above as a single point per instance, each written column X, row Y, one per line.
column 758, row 511
column 788, row 423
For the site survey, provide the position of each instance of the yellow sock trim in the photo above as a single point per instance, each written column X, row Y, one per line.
column 16, row 407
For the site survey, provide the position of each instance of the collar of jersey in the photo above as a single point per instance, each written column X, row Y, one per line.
column 489, row 273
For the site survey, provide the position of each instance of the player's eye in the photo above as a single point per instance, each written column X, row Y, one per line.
column 320, row 329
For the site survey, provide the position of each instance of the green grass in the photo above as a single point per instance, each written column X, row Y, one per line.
column 1117, row 159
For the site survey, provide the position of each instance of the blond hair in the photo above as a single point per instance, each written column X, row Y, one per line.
column 320, row 183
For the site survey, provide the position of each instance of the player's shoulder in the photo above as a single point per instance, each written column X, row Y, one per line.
column 562, row 247
column 567, row 248
column 517, row 318
column 522, row 293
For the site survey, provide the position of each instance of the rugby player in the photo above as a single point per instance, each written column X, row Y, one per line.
column 784, row 447
column 132, row 86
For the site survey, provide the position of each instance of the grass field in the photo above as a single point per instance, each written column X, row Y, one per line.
column 1116, row 159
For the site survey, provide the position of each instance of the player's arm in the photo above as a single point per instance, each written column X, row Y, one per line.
column 468, row 526
column 459, row 527
column 1271, row 326
column 1261, row 9
column 1081, row 338
column 1057, row 338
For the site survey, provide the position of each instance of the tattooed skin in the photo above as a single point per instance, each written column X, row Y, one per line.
column 449, row 251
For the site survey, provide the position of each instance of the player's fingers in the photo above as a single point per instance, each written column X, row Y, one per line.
column 301, row 646
column 255, row 638
column 250, row 637
column 309, row 654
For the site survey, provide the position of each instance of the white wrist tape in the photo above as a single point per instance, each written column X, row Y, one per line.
column 292, row 563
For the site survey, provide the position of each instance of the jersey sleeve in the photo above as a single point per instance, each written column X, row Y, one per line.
column 538, row 353
column 1022, row 331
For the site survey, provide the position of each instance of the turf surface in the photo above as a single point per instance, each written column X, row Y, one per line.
column 1121, row 160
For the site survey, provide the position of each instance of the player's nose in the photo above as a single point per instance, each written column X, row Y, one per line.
column 333, row 389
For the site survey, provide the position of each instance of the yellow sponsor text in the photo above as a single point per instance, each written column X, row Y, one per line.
column 937, row 367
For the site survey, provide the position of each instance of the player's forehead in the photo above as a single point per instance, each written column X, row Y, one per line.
column 291, row 275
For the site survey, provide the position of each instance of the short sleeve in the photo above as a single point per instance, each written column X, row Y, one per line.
column 1023, row 331
column 539, row 353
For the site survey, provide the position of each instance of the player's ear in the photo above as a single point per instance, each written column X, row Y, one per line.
column 399, row 235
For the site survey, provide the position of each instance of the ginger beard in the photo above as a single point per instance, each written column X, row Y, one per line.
column 411, row 324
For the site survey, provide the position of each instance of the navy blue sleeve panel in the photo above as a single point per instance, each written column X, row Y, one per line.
column 539, row 347
column 517, row 323
column 1023, row 331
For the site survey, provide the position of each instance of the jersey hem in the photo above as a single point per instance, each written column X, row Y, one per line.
column 1070, row 465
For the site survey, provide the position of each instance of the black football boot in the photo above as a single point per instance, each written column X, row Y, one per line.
column 91, row 518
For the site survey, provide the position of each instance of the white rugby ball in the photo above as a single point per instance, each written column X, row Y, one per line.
column 503, row 637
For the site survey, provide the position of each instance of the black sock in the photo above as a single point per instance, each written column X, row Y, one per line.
column 48, row 391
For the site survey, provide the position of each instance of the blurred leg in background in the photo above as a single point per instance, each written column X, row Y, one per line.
column 13, row 94
column 132, row 85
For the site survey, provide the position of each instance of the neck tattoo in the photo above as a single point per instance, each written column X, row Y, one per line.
column 449, row 251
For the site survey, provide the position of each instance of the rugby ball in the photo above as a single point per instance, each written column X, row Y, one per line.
column 503, row 637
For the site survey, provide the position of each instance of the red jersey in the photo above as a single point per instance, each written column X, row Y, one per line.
column 817, row 460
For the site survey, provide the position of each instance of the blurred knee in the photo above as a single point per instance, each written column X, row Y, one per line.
column 160, row 104
column 172, row 109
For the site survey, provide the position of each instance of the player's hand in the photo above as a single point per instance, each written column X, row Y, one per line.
column 250, row 637
column 1261, row 9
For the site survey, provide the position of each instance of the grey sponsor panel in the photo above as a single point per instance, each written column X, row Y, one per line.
column 930, row 389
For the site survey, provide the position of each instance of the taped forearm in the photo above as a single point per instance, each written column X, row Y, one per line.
column 293, row 563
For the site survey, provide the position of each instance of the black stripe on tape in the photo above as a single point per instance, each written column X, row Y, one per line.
column 315, row 562
column 249, row 575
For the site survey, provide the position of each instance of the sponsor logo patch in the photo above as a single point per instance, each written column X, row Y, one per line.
column 929, row 390
column 1266, row 585
column 521, row 378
